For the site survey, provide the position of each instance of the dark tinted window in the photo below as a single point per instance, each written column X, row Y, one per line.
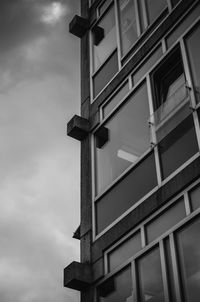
column 178, row 146
column 105, row 74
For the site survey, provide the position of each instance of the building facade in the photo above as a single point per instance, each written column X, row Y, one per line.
column 140, row 151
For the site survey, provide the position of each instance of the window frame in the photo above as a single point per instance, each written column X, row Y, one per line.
column 118, row 48
column 190, row 216
column 161, row 182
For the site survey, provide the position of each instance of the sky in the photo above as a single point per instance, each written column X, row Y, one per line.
column 39, row 164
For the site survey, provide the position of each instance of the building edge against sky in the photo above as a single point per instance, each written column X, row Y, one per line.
column 139, row 131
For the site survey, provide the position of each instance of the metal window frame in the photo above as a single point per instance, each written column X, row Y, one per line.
column 160, row 243
column 181, row 42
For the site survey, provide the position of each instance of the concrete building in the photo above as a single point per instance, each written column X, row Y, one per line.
column 140, row 151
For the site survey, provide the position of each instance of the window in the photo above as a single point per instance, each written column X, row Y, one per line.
column 150, row 277
column 129, row 31
column 178, row 146
column 118, row 288
column 154, row 9
column 189, row 251
column 123, row 252
column 166, row 270
column 193, row 46
column 116, row 31
column 122, row 140
column 104, row 38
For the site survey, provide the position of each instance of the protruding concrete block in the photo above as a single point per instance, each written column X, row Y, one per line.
column 78, row 276
column 78, row 127
column 78, row 26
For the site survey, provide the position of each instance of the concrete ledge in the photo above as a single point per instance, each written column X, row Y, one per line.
column 78, row 276
column 78, row 26
column 78, row 127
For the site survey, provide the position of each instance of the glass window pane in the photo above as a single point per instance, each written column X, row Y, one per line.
column 124, row 251
column 116, row 99
column 189, row 257
column 195, row 198
column 174, row 2
column 165, row 221
column 155, row 8
column 104, row 38
column 170, row 275
column 128, row 24
column 104, row 6
column 117, row 288
column 183, row 26
column 150, row 277
column 155, row 56
column 105, row 74
column 137, row 183
column 127, row 139
column 178, row 146
column 193, row 45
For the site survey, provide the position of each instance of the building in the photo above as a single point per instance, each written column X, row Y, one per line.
column 140, row 151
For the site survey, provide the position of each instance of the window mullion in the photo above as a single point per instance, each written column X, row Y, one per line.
column 137, row 15
column 117, row 18
column 175, row 268
column 164, row 271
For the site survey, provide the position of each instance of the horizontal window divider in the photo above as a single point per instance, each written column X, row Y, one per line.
column 151, row 245
column 120, row 177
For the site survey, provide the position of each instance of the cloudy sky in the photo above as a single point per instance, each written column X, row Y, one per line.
column 39, row 164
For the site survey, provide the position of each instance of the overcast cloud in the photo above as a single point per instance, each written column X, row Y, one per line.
column 39, row 164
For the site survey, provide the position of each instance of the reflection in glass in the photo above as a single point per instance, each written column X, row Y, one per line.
column 178, row 146
column 128, row 24
column 155, row 8
column 189, row 256
column 127, row 139
column 124, row 251
column 165, row 221
column 195, row 198
column 193, row 45
column 150, row 277
column 104, row 38
column 117, row 288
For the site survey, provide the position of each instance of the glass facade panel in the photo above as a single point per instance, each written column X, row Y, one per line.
column 165, row 221
column 137, row 183
column 174, row 2
column 183, row 26
column 115, row 100
column 104, row 6
column 150, row 277
column 105, row 74
column 178, row 146
column 124, row 251
column 170, row 275
column 154, row 9
column 195, row 198
column 122, row 140
column 104, row 38
column 193, row 46
column 189, row 257
column 128, row 24
column 117, row 288
column 155, row 56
